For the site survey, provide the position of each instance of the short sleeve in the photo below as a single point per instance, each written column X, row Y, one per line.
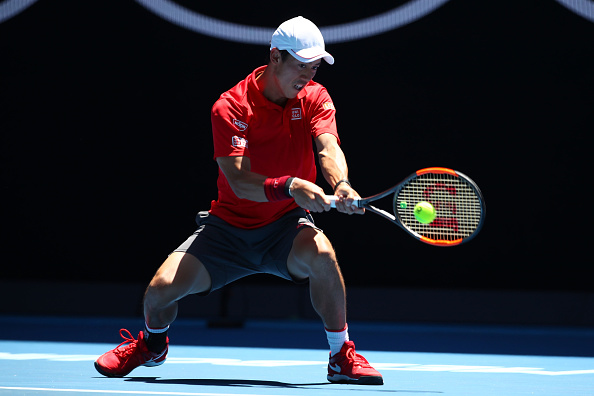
column 323, row 115
column 229, row 130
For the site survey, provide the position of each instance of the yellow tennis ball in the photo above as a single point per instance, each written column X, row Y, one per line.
column 425, row 212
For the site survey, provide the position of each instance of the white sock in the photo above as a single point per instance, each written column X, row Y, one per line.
column 337, row 338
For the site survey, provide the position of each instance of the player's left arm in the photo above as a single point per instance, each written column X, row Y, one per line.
column 334, row 168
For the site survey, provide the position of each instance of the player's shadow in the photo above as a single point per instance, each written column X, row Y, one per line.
column 241, row 383
column 220, row 382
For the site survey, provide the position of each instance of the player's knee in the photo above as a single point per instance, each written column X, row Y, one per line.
column 325, row 255
column 312, row 255
column 324, row 260
column 326, row 264
column 159, row 292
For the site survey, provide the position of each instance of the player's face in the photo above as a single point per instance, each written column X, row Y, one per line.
column 292, row 75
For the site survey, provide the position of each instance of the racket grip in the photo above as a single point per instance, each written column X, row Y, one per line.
column 334, row 198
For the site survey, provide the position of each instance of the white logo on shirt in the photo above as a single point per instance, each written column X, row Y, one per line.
column 240, row 142
column 240, row 125
column 296, row 113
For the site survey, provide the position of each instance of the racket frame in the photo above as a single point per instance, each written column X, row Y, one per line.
column 366, row 204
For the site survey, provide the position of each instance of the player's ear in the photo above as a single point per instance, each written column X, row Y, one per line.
column 275, row 56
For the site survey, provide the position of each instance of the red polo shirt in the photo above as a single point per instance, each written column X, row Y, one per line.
column 278, row 141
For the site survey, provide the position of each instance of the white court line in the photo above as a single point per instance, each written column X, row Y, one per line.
column 21, row 388
column 293, row 363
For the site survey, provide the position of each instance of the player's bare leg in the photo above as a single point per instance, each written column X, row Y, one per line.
column 180, row 275
column 313, row 257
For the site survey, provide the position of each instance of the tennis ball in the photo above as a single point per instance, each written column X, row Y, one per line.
column 425, row 212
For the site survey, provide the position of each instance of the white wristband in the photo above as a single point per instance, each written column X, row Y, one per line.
column 290, row 184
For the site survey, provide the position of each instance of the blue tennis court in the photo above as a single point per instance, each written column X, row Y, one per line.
column 49, row 355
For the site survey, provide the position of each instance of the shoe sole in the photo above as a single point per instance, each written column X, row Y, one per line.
column 105, row 373
column 363, row 380
column 111, row 375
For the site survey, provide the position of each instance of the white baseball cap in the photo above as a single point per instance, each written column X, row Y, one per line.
column 302, row 38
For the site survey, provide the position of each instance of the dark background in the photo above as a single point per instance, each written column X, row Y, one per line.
column 106, row 149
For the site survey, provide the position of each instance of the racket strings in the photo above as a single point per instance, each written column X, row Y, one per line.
column 457, row 204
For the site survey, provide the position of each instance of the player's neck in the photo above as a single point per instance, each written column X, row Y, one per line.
column 270, row 89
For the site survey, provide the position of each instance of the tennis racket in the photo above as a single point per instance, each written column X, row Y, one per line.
column 458, row 202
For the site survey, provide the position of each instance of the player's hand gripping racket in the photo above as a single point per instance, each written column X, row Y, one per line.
column 459, row 208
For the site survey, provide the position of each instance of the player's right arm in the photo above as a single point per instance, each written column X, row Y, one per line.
column 244, row 183
column 249, row 185
column 309, row 196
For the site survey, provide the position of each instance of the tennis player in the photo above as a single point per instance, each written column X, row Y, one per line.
column 261, row 222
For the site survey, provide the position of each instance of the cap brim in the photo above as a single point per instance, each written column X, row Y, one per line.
column 312, row 54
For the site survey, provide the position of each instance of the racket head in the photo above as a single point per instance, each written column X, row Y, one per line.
column 459, row 203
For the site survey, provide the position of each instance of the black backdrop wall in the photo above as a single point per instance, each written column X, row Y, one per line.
column 106, row 150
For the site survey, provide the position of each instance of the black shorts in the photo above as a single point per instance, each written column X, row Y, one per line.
column 230, row 253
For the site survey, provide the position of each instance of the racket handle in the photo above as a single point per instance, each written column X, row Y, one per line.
column 334, row 198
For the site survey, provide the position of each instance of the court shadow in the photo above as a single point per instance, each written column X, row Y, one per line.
column 256, row 383
column 221, row 382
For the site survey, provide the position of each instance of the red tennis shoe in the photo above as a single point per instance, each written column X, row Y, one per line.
column 348, row 367
column 121, row 360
